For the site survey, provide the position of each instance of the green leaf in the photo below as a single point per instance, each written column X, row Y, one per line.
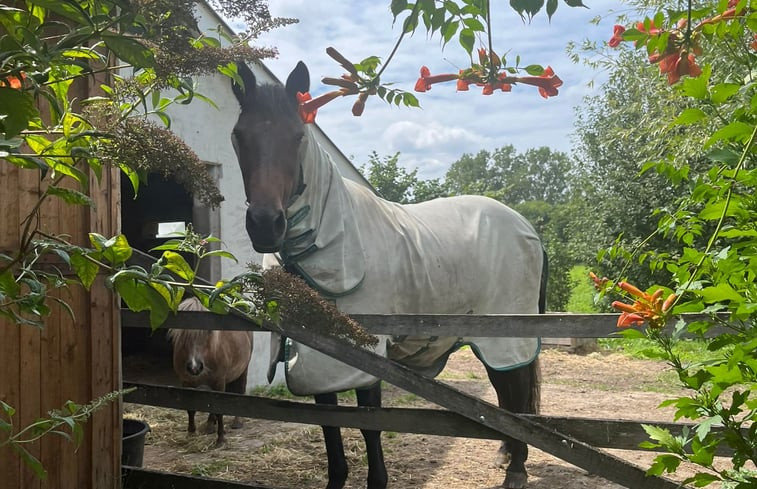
column 7, row 409
column 661, row 435
column 70, row 196
column 30, row 461
column 696, row 87
column 221, row 253
column 689, row 116
column 467, row 39
column 18, row 109
column 720, row 292
column 474, row 24
column 735, row 131
column 66, row 8
column 85, row 269
column 129, row 50
column 534, row 70
column 449, row 30
column 632, row 333
column 8, row 284
column 178, row 265
column 140, row 297
column 723, row 91
column 551, row 8
column 704, row 427
column 117, row 249
column 664, row 463
column 724, row 155
column 702, row 479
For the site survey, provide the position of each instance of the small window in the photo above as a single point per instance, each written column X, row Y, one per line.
column 171, row 229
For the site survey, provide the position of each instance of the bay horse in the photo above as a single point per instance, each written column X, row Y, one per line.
column 211, row 358
column 467, row 254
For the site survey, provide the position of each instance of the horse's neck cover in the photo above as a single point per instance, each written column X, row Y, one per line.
column 323, row 242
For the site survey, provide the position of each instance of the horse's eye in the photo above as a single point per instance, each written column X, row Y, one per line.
column 247, row 203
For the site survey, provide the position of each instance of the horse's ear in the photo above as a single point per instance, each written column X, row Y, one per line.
column 298, row 80
column 244, row 93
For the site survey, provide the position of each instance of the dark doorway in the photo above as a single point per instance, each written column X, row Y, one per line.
column 160, row 203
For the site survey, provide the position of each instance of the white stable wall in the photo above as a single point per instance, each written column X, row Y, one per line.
column 207, row 131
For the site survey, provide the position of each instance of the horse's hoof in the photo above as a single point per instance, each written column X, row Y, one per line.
column 209, row 428
column 236, row 424
column 220, row 443
column 515, row 480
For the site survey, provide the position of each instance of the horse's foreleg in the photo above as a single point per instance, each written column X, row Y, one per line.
column 377, row 476
column 518, row 392
column 220, row 386
column 191, row 427
column 332, row 435
column 238, row 386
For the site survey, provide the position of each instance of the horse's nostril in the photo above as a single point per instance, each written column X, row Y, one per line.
column 281, row 223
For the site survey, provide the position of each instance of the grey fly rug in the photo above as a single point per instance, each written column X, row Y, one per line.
column 458, row 255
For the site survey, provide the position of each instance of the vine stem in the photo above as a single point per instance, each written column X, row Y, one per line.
column 491, row 46
column 397, row 44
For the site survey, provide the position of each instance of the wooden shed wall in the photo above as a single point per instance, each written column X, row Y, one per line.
column 75, row 358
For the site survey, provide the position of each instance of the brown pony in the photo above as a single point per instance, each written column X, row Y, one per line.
column 211, row 358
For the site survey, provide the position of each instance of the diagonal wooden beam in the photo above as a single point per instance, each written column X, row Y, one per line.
column 561, row 446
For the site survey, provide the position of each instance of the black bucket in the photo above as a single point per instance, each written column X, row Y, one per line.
column 133, row 442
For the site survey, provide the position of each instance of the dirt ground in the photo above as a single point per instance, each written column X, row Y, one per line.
column 282, row 455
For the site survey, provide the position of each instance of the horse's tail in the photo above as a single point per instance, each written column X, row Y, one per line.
column 543, row 283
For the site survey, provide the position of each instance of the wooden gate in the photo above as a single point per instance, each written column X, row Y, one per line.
column 570, row 439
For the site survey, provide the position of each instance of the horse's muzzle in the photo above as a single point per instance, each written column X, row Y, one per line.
column 266, row 229
column 195, row 367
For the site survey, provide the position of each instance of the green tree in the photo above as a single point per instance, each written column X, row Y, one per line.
column 627, row 124
column 396, row 184
column 390, row 180
column 537, row 184
column 539, row 174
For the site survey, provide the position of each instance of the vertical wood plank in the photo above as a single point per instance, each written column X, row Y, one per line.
column 9, row 205
column 29, row 406
column 10, row 465
column 104, row 321
column 71, row 363
column 49, row 360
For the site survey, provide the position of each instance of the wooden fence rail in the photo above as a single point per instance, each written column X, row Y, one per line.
column 562, row 325
column 603, row 433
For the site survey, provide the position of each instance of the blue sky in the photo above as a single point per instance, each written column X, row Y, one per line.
column 449, row 123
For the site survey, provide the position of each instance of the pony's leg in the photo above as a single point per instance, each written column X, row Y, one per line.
column 220, row 386
column 237, row 386
column 517, row 391
column 377, row 476
column 332, row 435
column 191, row 427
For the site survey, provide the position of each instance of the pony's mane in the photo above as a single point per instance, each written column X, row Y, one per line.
column 272, row 99
column 179, row 336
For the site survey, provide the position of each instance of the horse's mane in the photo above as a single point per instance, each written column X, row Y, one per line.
column 178, row 336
